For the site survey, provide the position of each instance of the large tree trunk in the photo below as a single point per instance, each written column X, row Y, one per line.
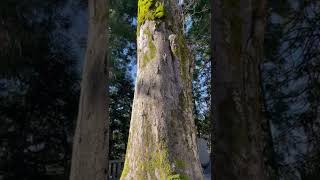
column 89, row 157
column 162, row 136
column 240, row 131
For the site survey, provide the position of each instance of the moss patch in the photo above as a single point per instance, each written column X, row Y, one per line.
column 155, row 157
column 149, row 10
column 125, row 170
column 180, row 164
column 153, row 161
column 182, row 53
column 178, row 177
column 158, row 160
column 151, row 47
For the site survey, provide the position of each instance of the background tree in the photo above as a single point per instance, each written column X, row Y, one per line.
column 90, row 144
column 241, row 128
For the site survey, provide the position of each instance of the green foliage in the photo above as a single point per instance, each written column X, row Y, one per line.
column 39, row 91
column 292, row 55
column 16, row 31
column 198, row 34
column 122, row 50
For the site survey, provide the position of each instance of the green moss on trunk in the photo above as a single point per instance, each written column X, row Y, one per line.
column 149, row 10
column 125, row 170
column 152, row 50
column 178, row 177
column 182, row 53
column 156, row 159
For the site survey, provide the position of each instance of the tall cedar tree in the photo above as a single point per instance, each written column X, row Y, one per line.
column 162, row 135
column 242, row 132
column 90, row 148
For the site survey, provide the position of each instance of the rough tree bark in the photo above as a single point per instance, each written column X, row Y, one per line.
column 90, row 146
column 242, row 133
column 162, row 136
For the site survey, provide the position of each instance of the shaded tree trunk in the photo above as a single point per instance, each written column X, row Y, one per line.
column 90, row 146
column 162, row 136
column 242, row 132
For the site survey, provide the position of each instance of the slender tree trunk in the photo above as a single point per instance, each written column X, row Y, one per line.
column 240, row 123
column 90, row 146
column 162, row 136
